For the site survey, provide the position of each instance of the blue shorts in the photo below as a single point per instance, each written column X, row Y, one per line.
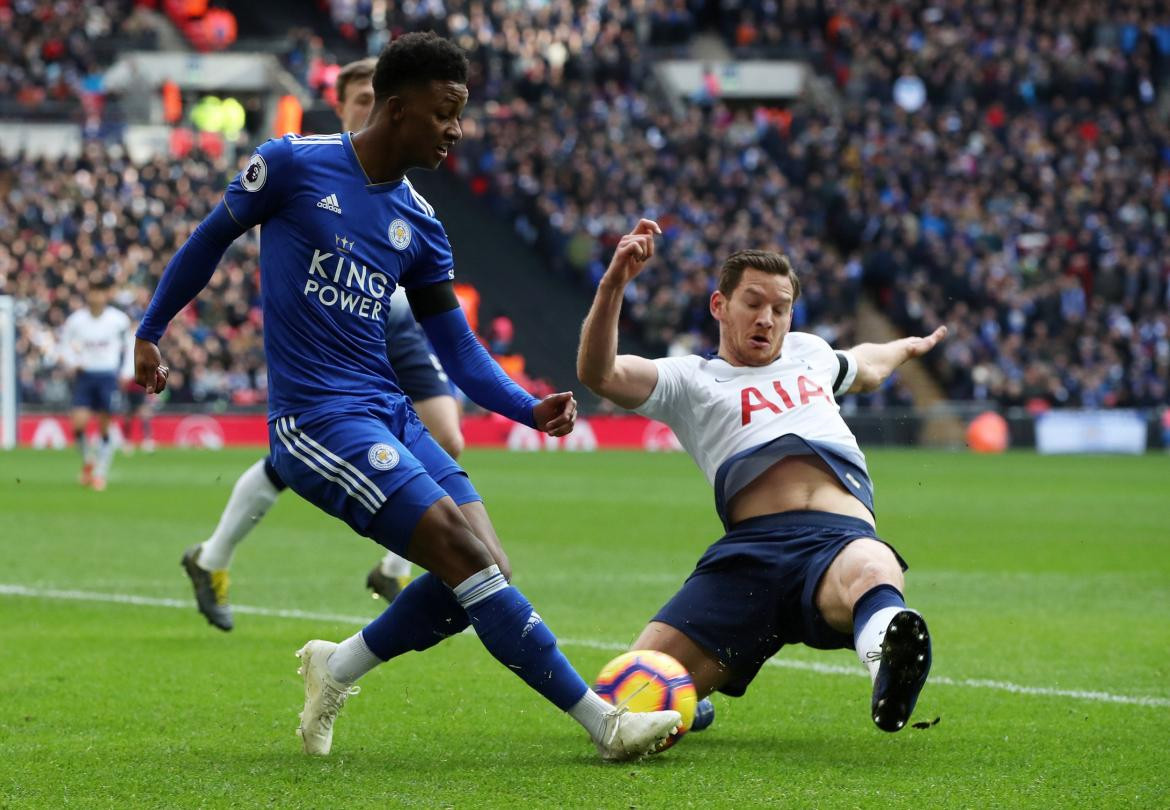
column 377, row 469
column 95, row 390
column 417, row 368
column 754, row 590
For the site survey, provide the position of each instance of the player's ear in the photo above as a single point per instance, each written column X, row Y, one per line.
column 718, row 305
column 394, row 108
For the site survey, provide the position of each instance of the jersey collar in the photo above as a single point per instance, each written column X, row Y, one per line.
column 373, row 188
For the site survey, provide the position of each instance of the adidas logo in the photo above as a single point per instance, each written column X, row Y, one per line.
column 533, row 620
column 330, row 203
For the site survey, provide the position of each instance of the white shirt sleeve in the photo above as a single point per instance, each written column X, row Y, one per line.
column 846, row 372
column 127, row 371
column 674, row 373
column 67, row 350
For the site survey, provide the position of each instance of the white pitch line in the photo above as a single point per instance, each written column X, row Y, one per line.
column 783, row 663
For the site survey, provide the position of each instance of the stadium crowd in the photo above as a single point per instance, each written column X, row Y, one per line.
column 64, row 223
column 1017, row 189
column 1018, row 192
column 51, row 52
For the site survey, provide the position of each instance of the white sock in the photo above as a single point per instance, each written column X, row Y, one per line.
column 105, row 455
column 252, row 497
column 352, row 659
column 394, row 566
column 590, row 712
column 869, row 640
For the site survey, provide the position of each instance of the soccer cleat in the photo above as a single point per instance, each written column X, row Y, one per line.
column 628, row 735
column 324, row 697
column 704, row 715
column 98, row 484
column 386, row 587
column 902, row 672
column 211, row 590
column 86, row 477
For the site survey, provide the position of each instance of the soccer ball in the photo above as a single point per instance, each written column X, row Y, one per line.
column 650, row 681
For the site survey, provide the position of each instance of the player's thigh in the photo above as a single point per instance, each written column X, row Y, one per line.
column 79, row 416
column 355, row 468
column 862, row 564
column 706, row 671
column 441, row 416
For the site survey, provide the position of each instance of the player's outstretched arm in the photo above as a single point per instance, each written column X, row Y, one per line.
column 877, row 361
column 186, row 274
column 475, row 371
column 627, row 380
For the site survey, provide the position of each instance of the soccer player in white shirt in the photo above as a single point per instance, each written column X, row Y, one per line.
column 96, row 347
column 801, row 561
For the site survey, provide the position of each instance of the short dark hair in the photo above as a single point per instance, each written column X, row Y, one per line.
column 418, row 58
column 358, row 71
column 767, row 261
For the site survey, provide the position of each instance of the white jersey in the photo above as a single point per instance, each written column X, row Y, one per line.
column 738, row 421
column 101, row 344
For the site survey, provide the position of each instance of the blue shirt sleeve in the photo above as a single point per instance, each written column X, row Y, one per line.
column 188, row 271
column 257, row 192
column 434, row 262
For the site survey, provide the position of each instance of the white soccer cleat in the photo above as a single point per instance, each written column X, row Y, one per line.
column 324, row 697
column 629, row 735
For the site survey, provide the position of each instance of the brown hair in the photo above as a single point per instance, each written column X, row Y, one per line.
column 767, row 261
column 357, row 71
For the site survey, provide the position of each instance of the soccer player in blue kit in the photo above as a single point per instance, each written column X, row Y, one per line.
column 341, row 227
column 419, row 375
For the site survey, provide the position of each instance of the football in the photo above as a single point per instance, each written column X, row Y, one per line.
column 647, row 681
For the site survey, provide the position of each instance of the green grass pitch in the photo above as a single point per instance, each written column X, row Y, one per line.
column 1046, row 582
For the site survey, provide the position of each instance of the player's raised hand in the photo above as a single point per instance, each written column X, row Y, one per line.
column 149, row 372
column 633, row 251
column 556, row 414
column 918, row 346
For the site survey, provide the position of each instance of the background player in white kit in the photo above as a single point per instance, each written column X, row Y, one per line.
column 98, row 349
column 801, row 561
column 419, row 374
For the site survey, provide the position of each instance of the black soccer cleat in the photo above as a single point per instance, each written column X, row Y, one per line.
column 386, row 587
column 211, row 590
column 903, row 670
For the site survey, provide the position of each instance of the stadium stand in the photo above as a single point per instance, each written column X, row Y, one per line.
column 999, row 193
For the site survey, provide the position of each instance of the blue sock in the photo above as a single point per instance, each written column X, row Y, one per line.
column 704, row 715
column 425, row 613
column 518, row 638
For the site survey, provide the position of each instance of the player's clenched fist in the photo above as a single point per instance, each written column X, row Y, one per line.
column 149, row 372
column 556, row 414
column 633, row 251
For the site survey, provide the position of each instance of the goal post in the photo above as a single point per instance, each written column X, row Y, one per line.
column 7, row 372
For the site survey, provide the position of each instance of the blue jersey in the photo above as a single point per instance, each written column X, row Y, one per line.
column 333, row 246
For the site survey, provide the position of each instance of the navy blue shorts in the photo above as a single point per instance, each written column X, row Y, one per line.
column 754, row 590
column 417, row 368
column 95, row 390
column 378, row 470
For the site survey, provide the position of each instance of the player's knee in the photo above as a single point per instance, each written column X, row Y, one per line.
column 874, row 570
column 451, row 441
column 444, row 543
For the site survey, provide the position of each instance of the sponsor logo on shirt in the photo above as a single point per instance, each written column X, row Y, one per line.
column 336, row 280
